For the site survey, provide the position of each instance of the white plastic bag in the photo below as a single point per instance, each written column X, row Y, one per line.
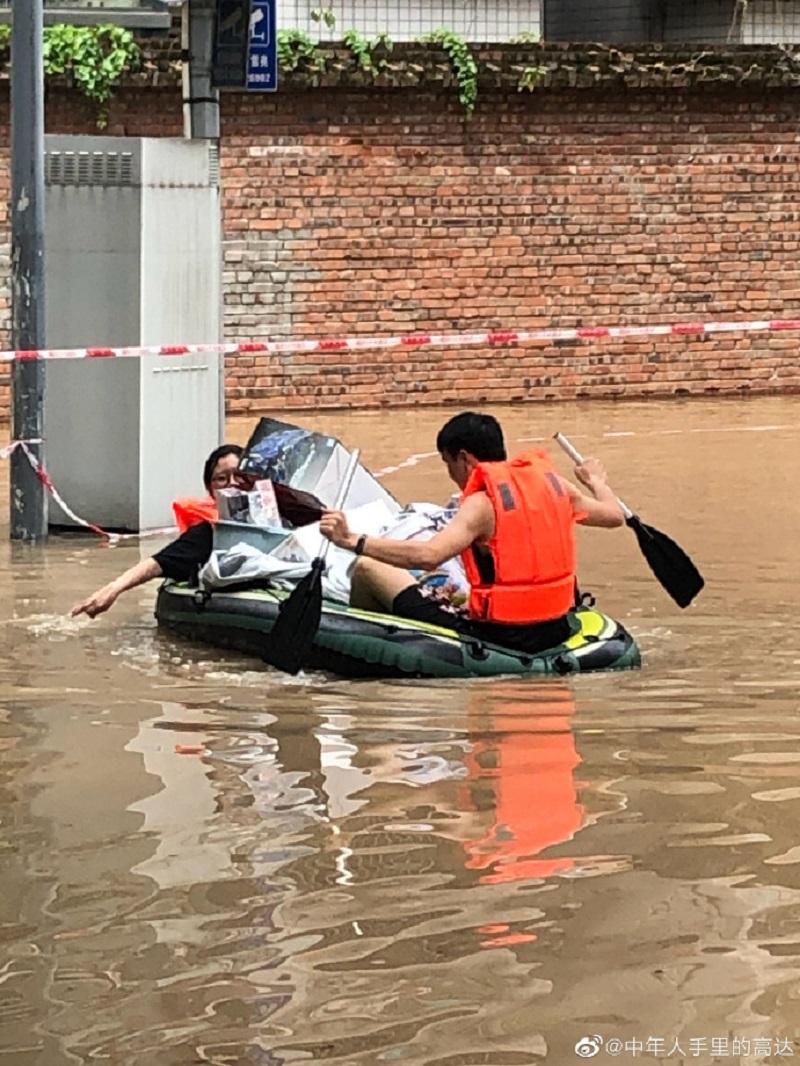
column 242, row 563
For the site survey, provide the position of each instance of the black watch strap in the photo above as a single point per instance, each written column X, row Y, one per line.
column 359, row 548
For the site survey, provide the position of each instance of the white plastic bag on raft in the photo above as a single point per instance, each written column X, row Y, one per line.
column 291, row 560
column 418, row 521
column 421, row 521
column 242, row 563
column 287, row 563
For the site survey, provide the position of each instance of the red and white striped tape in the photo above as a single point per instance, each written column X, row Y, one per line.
column 412, row 340
column 44, row 477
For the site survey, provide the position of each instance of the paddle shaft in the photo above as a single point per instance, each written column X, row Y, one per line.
column 341, row 496
column 673, row 568
column 576, row 457
column 292, row 637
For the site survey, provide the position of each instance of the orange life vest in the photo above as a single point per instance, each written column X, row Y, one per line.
column 190, row 510
column 533, row 547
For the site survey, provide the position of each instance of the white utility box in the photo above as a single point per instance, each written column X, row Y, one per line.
column 133, row 258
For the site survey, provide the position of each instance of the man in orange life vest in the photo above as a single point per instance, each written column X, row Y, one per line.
column 182, row 558
column 514, row 531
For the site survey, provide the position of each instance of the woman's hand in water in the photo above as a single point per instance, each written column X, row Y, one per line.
column 98, row 602
column 105, row 597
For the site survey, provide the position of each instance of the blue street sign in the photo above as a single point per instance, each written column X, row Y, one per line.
column 262, row 50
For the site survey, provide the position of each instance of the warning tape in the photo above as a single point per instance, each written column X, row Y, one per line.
column 342, row 344
column 44, row 477
column 411, row 340
column 5, row 452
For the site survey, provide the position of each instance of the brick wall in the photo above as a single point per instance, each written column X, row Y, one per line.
column 360, row 210
column 350, row 213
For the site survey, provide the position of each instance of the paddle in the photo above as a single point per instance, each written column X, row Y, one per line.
column 668, row 561
column 292, row 636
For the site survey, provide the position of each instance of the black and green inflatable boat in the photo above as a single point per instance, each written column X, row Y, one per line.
column 354, row 643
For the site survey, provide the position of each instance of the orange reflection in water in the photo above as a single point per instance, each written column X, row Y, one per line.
column 521, row 771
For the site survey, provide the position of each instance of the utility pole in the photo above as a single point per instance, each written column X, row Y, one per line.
column 28, row 497
column 200, row 98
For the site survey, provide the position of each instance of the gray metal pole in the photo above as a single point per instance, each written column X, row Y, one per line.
column 28, row 495
column 201, row 98
column 201, row 110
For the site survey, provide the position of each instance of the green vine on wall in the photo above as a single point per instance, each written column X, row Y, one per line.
column 364, row 50
column 530, row 78
column 298, row 50
column 463, row 63
column 94, row 57
column 324, row 14
column 361, row 49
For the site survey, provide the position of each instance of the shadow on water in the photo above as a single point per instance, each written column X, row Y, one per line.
column 426, row 873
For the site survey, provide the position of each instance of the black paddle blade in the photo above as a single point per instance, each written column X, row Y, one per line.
column 668, row 561
column 292, row 636
column 299, row 507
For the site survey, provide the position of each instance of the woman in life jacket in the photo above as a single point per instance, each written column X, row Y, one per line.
column 181, row 559
column 514, row 531
column 221, row 471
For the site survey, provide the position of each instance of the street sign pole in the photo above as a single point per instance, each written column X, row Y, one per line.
column 28, row 496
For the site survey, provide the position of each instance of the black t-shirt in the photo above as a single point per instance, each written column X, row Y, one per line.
column 182, row 558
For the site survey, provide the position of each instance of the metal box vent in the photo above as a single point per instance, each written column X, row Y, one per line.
column 213, row 165
column 107, row 169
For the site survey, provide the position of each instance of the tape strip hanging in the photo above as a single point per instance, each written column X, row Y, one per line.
column 44, row 477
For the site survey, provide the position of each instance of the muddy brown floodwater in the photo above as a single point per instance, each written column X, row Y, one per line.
column 437, row 873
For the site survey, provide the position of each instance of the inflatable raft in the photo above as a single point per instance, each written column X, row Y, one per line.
column 354, row 643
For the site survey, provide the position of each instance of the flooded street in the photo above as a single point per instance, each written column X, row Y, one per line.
column 421, row 873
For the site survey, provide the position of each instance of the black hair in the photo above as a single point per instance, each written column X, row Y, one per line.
column 479, row 435
column 214, row 458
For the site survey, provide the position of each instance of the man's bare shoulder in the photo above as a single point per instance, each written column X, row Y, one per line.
column 478, row 512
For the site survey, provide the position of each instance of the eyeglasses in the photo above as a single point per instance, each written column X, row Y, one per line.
column 225, row 478
column 229, row 477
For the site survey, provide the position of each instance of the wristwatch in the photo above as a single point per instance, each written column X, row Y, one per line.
column 359, row 548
